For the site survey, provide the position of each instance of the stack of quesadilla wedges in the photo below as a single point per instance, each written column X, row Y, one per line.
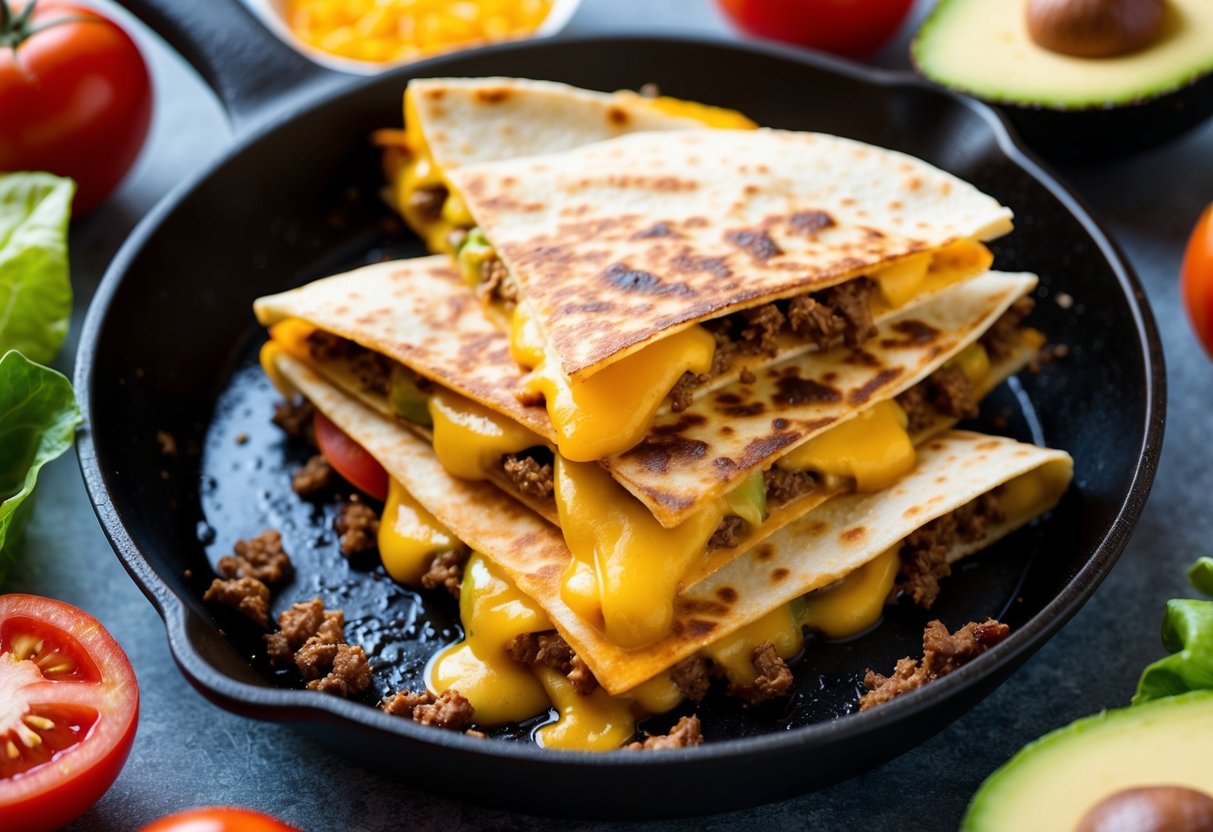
column 681, row 389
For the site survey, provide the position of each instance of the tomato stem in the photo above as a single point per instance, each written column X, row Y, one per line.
column 16, row 28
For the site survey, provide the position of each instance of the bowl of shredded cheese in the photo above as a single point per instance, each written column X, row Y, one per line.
column 368, row 36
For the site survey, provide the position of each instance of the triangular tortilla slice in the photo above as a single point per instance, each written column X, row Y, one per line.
column 811, row 553
column 621, row 243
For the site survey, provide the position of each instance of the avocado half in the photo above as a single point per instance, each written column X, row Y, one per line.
column 1053, row 782
column 1066, row 107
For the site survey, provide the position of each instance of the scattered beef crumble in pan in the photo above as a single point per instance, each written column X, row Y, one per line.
column 450, row 709
column 684, row 734
column 942, row 653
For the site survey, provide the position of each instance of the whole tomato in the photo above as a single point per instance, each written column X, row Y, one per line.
column 75, row 96
column 853, row 28
column 219, row 819
column 1196, row 279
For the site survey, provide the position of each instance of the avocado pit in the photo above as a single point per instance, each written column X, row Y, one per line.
column 1094, row 28
column 1151, row 809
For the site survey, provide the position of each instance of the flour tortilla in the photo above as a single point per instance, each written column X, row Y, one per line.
column 623, row 242
column 811, row 553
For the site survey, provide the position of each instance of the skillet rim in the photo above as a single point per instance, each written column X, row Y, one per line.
column 277, row 704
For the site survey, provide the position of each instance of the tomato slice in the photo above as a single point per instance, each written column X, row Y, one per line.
column 69, row 704
column 1197, row 279
column 218, row 819
column 350, row 459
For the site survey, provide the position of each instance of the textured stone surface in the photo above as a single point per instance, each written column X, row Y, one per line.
column 189, row 752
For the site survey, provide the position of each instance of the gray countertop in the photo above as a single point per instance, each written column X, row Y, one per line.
column 188, row 752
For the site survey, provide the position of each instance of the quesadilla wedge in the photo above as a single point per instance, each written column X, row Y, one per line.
column 642, row 270
column 831, row 571
column 453, row 122
column 729, row 476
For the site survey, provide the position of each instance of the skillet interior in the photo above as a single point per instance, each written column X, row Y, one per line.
column 171, row 329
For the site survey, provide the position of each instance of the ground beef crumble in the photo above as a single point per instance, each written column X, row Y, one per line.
column 260, row 557
column 450, row 709
column 692, row 677
column 942, row 653
column 315, row 476
column 530, row 473
column 924, row 551
column 373, row 370
column 446, row 570
column 313, row 639
column 729, row 533
column 300, row 623
column 946, row 392
column 685, row 733
column 295, row 417
column 784, row 486
column 358, row 527
column 774, row 677
column 248, row 596
column 496, row 284
column 549, row 649
column 1002, row 338
column 428, row 202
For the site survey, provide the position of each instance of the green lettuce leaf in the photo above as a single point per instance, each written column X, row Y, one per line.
column 38, row 419
column 35, row 292
column 1187, row 632
column 1200, row 575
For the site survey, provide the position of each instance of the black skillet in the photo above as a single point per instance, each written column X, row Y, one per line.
column 169, row 345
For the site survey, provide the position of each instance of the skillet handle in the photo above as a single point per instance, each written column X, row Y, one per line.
column 249, row 68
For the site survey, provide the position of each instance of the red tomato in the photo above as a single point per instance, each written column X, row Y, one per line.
column 1196, row 277
column 854, row 28
column 76, row 98
column 69, row 704
column 218, row 819
column 350, row 459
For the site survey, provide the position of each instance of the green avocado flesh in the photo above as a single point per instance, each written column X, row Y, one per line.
column 749, row 500
column 472, row 254
column 982, row 47
column 407, row 400
column 1051, row 783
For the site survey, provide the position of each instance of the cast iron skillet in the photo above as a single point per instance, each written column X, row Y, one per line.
column 168, row 346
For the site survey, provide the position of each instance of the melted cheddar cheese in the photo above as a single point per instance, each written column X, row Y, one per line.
column 409, row 536
column 526, row 341
column 494, row 611
column 734, row 654
column 611, row 410
column 927, row 272
column 470, row 439
column 593, row 722
column 626, row 567
column 872, row 448
column 855, row 603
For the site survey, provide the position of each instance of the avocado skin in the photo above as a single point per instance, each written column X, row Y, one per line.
column 1101, row 133
column 993, row 801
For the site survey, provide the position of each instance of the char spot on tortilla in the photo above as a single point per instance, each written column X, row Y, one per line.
column 937, row 446
column 700, row 606
column 658, row 453
column 751, row 409
column 592, row 307
column 757, row 450
column 684, row 423
column 829, row 377
column 658, row 229
column 628, row 279
column 699, row 629
column 778, row 574
column 911, row 511
column 435, row 94
column 809, row 223
column 617, row 116
column 726, row 430
column 779, row 423
column 727, row 594
column 728, row 399
column 861, row 394
column 493, row 96
column 913, row 333
column 724, row 463
column 687, row 261
column 794, row 391
column 758, row 244
column 853, row 534
column 873, row 234
column 861, row 358
column 695, row 222
column 765, row 552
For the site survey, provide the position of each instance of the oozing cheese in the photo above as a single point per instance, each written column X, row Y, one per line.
column 856, row 602
column 873, row 448
column 593, row 722
column 734, row 654
column 611, row 411
column 409, row 536
column 626, row 566
column 494, row 611
column 929, row 271
column 526, row 341
column 470, row 439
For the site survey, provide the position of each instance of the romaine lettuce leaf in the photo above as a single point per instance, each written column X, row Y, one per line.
column 1200, row 575
column 35, row 292
column 38, row 419
column 1187, row 631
